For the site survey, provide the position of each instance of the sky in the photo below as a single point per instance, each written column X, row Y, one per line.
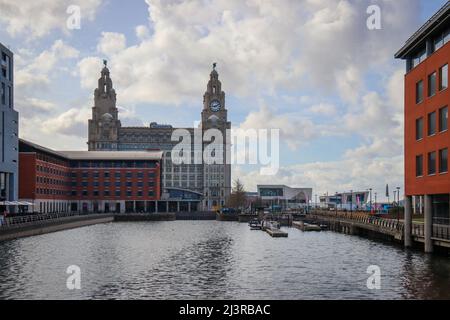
column 311, row 68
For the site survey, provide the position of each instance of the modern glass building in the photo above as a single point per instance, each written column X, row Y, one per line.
column 8, row 133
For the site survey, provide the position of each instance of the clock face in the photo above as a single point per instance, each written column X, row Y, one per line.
column 215, row 105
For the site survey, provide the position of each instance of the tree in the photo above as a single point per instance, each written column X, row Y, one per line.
column 238, row 198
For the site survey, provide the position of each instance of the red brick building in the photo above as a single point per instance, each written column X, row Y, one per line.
column 427, row 139
column 89, row 181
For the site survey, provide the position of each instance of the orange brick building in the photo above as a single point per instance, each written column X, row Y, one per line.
column 427, row 139
column 85, row 181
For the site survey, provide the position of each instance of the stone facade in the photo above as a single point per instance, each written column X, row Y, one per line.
column 210, row 181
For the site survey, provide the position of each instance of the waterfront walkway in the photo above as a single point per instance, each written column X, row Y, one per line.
column 361, row 223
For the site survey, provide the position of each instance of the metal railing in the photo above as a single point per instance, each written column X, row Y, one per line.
column 32, row 219
column 440, row 231
column 365, row 218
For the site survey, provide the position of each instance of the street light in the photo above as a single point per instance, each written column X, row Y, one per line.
column 398, row 205
column 351, row 203
column 335, row 202
column 375, row 208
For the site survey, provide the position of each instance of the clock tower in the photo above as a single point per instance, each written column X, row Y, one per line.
column 217, row 176
column 104, row 126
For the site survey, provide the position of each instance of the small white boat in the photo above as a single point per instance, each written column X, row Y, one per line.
column 255, row 224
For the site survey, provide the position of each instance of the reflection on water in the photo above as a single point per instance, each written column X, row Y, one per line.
column 213, row 260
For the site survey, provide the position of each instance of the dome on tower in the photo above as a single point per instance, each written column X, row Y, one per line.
column 107, row 117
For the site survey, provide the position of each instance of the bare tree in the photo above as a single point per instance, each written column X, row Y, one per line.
column 238, row 198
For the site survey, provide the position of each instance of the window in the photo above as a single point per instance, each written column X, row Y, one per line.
column 106, row 193
column 85, row 193
column 129, row 184
column 443, row 77
column 438, row 42
column 419, row 57
column 3, row 93
column 432, row 123
column 419, row 128
column 129, row 193
column 443, row 119
column 9, row 96
column 96, row 193
column 432, row 162
column 151, row 193
column 117, row 193
column 106, row 174
column 432, row 84
column 419, row 91
column 139, row 193
column 443, row 160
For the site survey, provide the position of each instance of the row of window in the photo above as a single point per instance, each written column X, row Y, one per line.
column 431, row 161
column 116, row 184
column 117, row 175
column 52, row 171
column 439, row 41
column 51, row 181
column 117, row 193
column 113, row 164
column 432, row 83
column 6, row 66
column 50, row 159
column 95, row 193
column 6, row 95
column 432, row 123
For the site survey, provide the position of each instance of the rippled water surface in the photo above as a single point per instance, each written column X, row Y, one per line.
column 213, row 260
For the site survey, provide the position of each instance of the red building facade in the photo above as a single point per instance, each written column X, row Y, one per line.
column 427, row 139
column 84, row 181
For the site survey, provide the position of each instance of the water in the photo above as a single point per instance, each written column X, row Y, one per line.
column 213, row 260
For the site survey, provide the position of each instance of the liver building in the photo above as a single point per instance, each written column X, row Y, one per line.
column 205, row 181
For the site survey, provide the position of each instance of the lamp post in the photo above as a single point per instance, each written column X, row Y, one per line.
column 351, row 203
column 375, row 207
column 398, row 205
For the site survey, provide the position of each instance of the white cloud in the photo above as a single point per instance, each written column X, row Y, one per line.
column 111, row 43
column 294, row 129
column 89, row 71
column 325, row 109
column 37, row 71
column 142, row 32
column 259, row 46
column 37, row 18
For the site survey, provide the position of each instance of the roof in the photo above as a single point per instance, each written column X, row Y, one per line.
column 99, row 155
column 441, row 17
